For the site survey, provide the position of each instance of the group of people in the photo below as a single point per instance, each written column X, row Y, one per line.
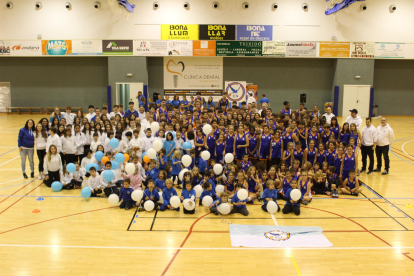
column 274, row 152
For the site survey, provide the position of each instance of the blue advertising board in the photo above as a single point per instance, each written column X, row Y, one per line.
column 254, row 32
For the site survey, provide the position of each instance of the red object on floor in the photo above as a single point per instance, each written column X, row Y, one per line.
column 36, row 211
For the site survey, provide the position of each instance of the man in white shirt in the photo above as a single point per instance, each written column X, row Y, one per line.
column 385, row 137
column 264, row 108
column 369, row 139
column 115, row 111
column 145, row 122
column 141, row 113
column 354, row 118
column 68, row 115
column 91, row 114
column 328, row 115
column 105, row 112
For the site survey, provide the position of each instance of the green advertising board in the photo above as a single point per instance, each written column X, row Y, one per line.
column 239, row 48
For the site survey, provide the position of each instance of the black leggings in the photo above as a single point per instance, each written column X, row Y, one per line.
column 291, row 208
column 69, row 158
column 41, row 155
column 53, row 176
column 173, row 179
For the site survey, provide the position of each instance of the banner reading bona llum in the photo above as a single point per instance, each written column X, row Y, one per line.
column 179, row 32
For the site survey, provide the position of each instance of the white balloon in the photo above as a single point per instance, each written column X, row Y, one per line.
column 207, row 201
column 113, row 199
column 181, row 174
column 205, row 155
column 149, row 205
column 218, row 168
column 295, row 194
column 186, row 159
column 175, row 201
column 242, row 194
column 271, row 207
column 154, row 127
column 151, row 153
column 229, row 157
column 219, row 189
column 224, row 208
column 137, row 195
column 187, row 206
column 207, row 129
column 130, row 168
column 198, row 189
column 157, row 145
column 161, row 201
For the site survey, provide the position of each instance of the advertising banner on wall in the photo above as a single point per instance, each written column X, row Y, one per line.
column 334, row 49
column 217, row 32
column 179, row 32
column 362, row 49
column 236, row 91
column 274, row 48
column 87, row 47
column 301, row 49
column 180, row 48
column 26, row 48
column 150, row 48
column 193, row 73
column 251, row 92
column 216, row 94
column 56, row 47
column 204, row 48
column 117, row 47
column 238, row 48
column 254, row 32
column 5, row 48
column 389, row 50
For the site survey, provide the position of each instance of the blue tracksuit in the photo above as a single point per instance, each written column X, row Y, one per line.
column 287, row 195
column 125, row 194
column 153, row 174
column 167, row 194
column 149, row 194
column 236, row 199
column 202, row 165
column 160, row 184
column 211, row 193
column 188, row 194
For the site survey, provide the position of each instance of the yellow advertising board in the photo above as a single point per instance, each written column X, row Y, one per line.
column 334, row 49
column 179, row 32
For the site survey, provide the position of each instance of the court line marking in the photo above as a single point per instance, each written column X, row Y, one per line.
column 205, row 248
column 18, row 190
column 8, row 151
column 19, row 198
column 274, row 219
column 12, row 180
column 295, row 265
column 402, row 147
column 9, row 161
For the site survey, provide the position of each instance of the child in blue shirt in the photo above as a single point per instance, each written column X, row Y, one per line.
column 188, row 192
column 208, row 191
column 202, row 165
column 270, row 194
column 292, row 206
column 212, row 163
column 176, row 165
column 125, row 195
column 160, row 181
column 169, row 146
column 152, row 172
column 162, row 159
column 239, row 206
column 223, row 199
column 167, row 194
column 206, row 178
column 150, row 194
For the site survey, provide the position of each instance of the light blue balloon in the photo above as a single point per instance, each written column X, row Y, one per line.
column 114, row 143
column 57, row 186
column 115, row 165
column 108, row 175
column 96, row 166
column 86, row 192
column 99, row 155
column 186, row 145
column 120, row 158
column 71, row 168
column 88, row 166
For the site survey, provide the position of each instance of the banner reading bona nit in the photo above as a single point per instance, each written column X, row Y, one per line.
column 217, row 32
column 254, row 32
column 179, row 32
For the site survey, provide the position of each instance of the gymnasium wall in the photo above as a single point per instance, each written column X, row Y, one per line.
column 290, row 22
column 394, row 87
column 47, row 82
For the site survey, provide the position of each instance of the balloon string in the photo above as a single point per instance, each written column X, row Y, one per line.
column 221, row 216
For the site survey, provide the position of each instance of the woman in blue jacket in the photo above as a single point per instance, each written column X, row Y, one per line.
column 26, row 146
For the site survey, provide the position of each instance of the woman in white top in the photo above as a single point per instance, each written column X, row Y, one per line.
column 68, row 146
column 79, row 142
column 88, row 136
column 41, row 140
column 52, row 166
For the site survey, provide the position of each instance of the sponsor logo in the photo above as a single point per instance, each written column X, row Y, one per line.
column 112, row 45
column 56, row 47
column 3, row 48
column 277, row 235
column 27, row 48
column 235, row 91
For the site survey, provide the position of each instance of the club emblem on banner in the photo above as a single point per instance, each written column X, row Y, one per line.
column 277, row 235
column 235, row 91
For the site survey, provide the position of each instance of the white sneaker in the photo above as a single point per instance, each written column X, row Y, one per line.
column 40, row 176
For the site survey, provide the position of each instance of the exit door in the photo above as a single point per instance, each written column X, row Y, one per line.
column 358, row 97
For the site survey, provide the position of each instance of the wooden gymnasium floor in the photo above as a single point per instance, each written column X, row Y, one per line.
column 372, row 234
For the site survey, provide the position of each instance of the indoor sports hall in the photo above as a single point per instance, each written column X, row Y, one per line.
column 227, row 137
